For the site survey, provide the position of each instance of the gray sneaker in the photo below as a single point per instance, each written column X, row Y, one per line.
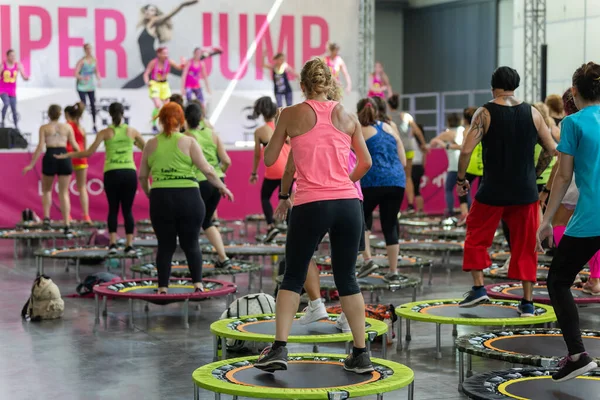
column 359, row 365
column 272, row 360
column 391, row 277
column 367, row 268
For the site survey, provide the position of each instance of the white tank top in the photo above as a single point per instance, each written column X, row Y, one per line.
column 418, row 158
column 453, row 155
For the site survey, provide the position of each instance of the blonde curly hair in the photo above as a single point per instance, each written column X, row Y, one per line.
column 316, row 79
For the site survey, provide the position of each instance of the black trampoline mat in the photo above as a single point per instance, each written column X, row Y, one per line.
column 370, row 280
column 431, row 246
column 256, row 250
column 302, row 375
column 145, row 242
column 153, row 289
column 82, row 253
column 482, row 311
column 540, row 345
column 40, row 234
column 541, row 292
column 268, row 328
column 576, row 389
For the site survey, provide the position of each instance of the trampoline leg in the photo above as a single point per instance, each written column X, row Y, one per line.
column 217, row 396
column 233, row 278
column 186, row 309
column 260, row 280
column 53, row 243
column 347, row 347
column 430, row 274
column 216, row 348
column 249, row 281
column 399, row 335
column 77, row 277
column 123, row 269
column 223, row 348
column 414, row 298
column 16, row 250
column 411, row 391
column 97, row 303
column 196, row 392
column 372, row 296
column 379, row 396
column 67, row 269
column 369, row 347
column 408, row 336
column 38, row 263
column 438, row 341
column 315, row 348
column 454, row 331
column 104, row 307
column 130, row 313
column 384, row 346
column 469, row 365
column 421, row 273
column 461, row 367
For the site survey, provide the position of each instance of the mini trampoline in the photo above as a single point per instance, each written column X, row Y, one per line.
column 227, row 233
column 180, row 269
column 259, row 219
column 41, row 235
column 446, row 312
column 180, row 290
column 448, row 233
column 424, row 222
column 373, row 283
column 89, row 254
column 535, row 347
column 61, row 225
column 261, row 328
column 498, row 272
column 514, row 291
column 143, row 223
column 249, row 250
column 309, row 376
column 500, row 257
column 151, row 241
column 530, row 384
column 446, row 248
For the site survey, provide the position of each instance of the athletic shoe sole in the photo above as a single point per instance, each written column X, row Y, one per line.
column 365, row 273
column 344, row 330
column 578, row 372
column 587, row 291
column 271, row 235
column 363, row 370
column 475, row 302
column 315, row 317
column 272, row 366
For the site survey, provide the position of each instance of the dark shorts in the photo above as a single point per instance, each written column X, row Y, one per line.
column 361, row 246
column 53, row 166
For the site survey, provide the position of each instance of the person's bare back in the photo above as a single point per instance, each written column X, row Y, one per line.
column 56, row 134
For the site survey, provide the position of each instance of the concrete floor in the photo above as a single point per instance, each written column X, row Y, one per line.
column 72, row 359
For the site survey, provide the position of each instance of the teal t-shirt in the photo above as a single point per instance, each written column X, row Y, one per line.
column 580, row 138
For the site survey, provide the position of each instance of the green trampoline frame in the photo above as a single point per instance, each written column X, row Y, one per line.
column 221, row 331
column 402, row 377
column 407, row 312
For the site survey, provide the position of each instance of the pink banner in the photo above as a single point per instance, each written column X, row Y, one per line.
column 19, row 192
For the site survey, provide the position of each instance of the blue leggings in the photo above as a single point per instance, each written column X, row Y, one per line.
column 12, row 102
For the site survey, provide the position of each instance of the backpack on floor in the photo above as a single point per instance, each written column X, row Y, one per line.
column 250, row 304
column 86, row 288
column 45, row 301
column 380, row 312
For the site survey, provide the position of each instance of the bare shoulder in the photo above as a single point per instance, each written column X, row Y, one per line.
column 343, row 119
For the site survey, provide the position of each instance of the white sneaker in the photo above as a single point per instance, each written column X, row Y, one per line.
column 342, row 323
column 313, row 314
column 504, row 269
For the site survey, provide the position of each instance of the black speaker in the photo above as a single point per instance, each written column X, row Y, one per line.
column 11, row 138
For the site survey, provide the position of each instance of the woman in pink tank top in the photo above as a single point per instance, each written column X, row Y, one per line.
column 380, row 83
column 266, row 108
column 326, row 201
column 8, row 85
column 193, row 72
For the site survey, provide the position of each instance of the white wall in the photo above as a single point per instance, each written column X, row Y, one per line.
column 572, row 32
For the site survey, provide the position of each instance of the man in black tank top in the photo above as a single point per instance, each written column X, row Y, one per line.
column 508, row 130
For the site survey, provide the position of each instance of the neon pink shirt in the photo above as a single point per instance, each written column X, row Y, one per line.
column 192, row 79
column 8, row 79
column 322, row 156
column 160, row 73
column 377, row 84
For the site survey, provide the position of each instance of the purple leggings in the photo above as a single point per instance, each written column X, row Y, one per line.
column 594, row 263
column 191, row 92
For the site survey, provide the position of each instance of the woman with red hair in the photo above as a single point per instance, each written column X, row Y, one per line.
column 176, row 208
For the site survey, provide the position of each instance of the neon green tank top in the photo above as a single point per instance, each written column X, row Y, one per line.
column 119, row 150
column 169, row 167
column 203, row 136
column 545, row 177
column 475, row 166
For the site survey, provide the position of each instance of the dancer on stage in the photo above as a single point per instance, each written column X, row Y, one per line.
column 281, row 73
column 8, row 85
column 73, row 115
column 120, row 183
column 380, row 83
column 88, row 78
column 176, row 208
column 580, row 154
column 336, row 65
column 326, row 200
column 216, row 155
column 508, row 130
column 193, row 71
column 157, row 26
column 268, row 110
column 155, row 77
column 55, row 136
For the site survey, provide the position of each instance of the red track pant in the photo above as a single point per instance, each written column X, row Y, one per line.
column 522, row 221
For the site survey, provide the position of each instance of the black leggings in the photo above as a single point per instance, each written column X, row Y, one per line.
column 308, row 223
column 266, row 191
column 389, row 199
column 177, row 213
column 570, row 257
column 417, row 173
column 120, row 186
column 92, row 96
column 211, row 198
column 466, row 199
